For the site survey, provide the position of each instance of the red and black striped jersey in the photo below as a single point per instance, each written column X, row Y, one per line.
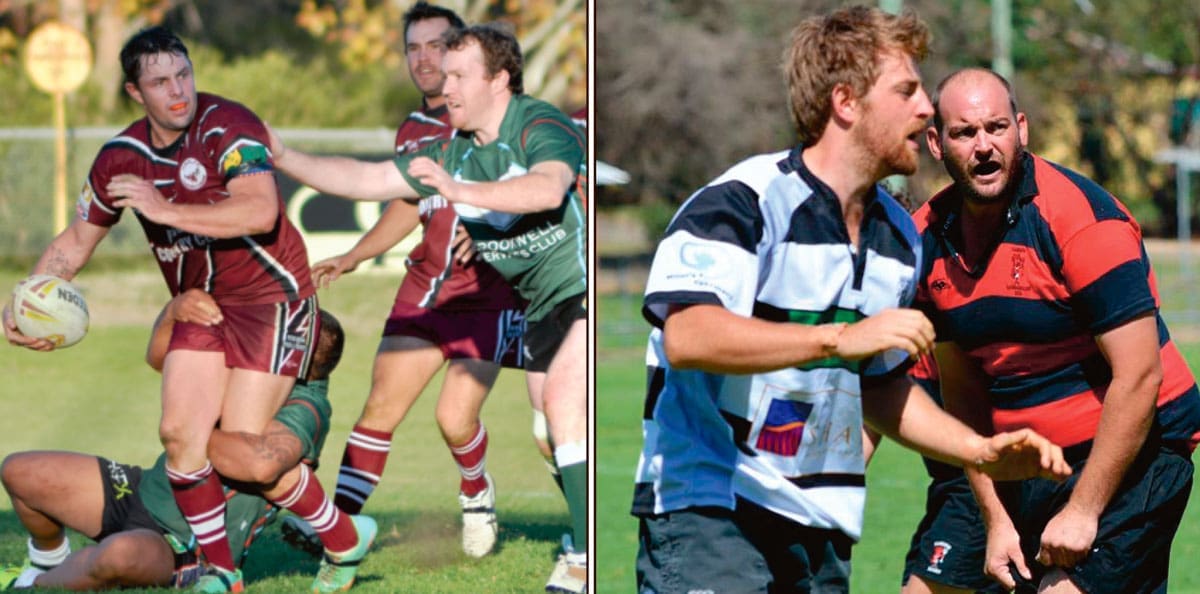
column 1070, row 265
column 434, row 278
column 225, row 140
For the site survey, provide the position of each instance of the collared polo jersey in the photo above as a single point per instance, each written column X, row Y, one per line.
column 767, row 240
column 1069, row 266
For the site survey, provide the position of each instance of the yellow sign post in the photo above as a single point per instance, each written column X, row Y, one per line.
column 58, row 59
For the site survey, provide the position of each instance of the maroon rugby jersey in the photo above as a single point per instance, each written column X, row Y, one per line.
column 434, row 279
column 224, row 141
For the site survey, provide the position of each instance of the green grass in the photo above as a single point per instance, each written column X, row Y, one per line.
column 99, row 397
column 896, row 480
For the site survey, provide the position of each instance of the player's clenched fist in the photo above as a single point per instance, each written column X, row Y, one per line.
column 906, row 329
column 136, row 192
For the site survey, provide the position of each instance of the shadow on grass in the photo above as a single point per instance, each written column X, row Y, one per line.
column 417, row 539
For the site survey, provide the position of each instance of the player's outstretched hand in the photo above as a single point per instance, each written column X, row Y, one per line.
column 16, row 338
column 1022, row 454
column 906, row 329
column 330, row 269
column 196, row 307
column 135, row 192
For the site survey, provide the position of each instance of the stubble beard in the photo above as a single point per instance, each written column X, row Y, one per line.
column 971, row 192
column 894, row 157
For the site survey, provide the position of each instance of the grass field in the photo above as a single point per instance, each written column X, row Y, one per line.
column 896, row 479
column 98, row 397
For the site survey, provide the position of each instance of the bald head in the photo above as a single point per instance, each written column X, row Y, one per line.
column 979, row 135
column 976, row 82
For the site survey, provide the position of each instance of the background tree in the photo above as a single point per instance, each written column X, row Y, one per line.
column 688, row 87
column 552, row 34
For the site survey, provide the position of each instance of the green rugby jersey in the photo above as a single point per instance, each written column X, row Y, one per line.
column 541, row 254
column 306, row 413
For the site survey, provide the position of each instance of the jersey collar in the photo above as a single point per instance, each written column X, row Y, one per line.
column 823, row 197
column 948, row 208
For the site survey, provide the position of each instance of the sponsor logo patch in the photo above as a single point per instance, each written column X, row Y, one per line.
column 244, row 155
column 83, row 205
column 783, row 428
column 703, row 258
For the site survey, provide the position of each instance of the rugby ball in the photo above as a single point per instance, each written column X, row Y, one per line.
column 49, row 307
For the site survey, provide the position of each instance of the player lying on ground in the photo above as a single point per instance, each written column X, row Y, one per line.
column 142, row 538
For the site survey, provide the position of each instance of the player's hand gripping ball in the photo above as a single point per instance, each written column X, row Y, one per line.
column 49, row 307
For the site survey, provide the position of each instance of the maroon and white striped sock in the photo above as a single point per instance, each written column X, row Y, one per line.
column 201, row 498
column 308, row 500
column 471, row 458
column 362, row 464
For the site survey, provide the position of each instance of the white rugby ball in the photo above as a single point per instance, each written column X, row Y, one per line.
column 49, row 307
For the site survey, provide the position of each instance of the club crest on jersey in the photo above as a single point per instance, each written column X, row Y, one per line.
column 1019, row 280
column 941, row 548
column 192, row 174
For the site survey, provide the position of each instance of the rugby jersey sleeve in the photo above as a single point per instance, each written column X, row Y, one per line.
column 240, row 142
column 94, row 205
column 1107, row 273
column 708, row 254
column 306, row 414
column 553, row 139
column 433, row 150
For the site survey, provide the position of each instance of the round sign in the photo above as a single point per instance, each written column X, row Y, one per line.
column 57, row 58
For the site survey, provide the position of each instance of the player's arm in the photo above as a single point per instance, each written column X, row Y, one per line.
column 899, row 408
column 64, row 257
column 965, row 395
column 1132, row 351
column 251, row 208
column 255, row 458
column 192, row 305
column 750, row 345
column 399, row 219
column 70, row 250
column 543, row 187
column 871, row 440
column 341, row 176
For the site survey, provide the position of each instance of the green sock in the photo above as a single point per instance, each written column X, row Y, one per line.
column 554, row 473
column 575, row 485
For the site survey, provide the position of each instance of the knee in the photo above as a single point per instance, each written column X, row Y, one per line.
column 178, row 436
column 115, row 559
column 171, row 434
column 13, row 468
column 455, row 426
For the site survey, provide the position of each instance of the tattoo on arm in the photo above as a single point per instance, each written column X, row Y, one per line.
column 277, row 445
column 58, row 264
